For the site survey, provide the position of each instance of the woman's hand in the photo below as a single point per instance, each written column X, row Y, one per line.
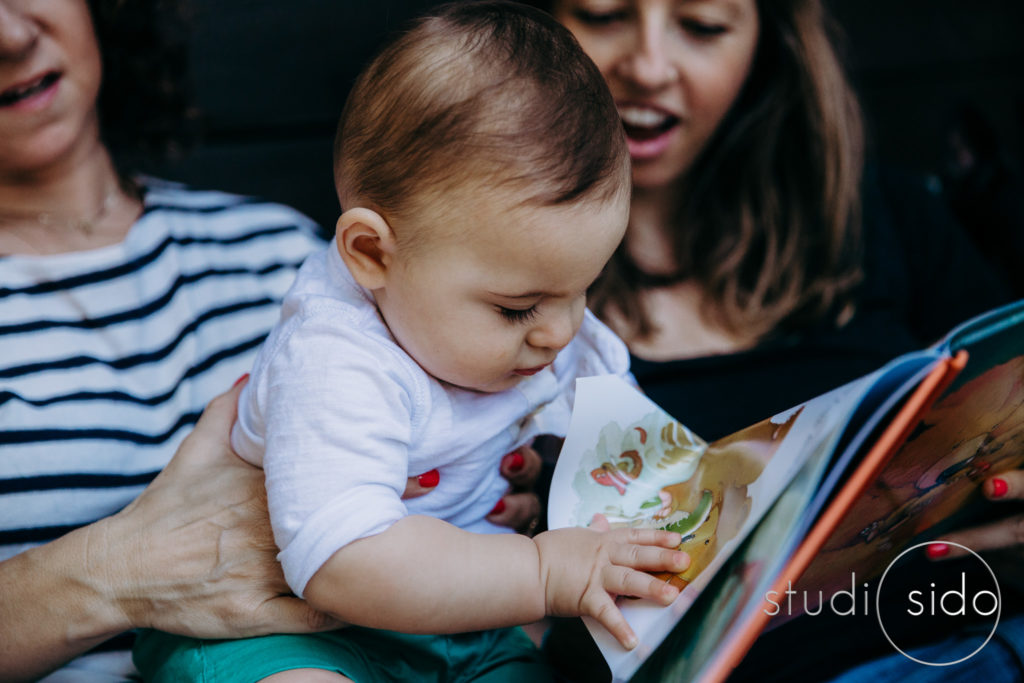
column 1005, row 533
column 203, row 558
column 519, row 508
column 194, row 553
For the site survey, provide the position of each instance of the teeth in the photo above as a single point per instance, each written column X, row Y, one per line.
column 20, row 93
column 642, row 117
column 31, row 86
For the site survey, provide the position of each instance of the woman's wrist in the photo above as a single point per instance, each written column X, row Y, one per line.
column 100, row 580
column 65, row 605
column 109, row 578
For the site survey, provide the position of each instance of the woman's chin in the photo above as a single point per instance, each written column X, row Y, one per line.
column 661, row 171
column 653, row 176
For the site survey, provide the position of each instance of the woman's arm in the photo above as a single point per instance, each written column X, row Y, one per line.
column 193, row 554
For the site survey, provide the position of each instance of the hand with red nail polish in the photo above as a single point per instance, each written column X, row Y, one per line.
column 997, row 487
column 514, row 461
column 1001, row 534
column 421, row 485
column 520, row 507
column 521, row 467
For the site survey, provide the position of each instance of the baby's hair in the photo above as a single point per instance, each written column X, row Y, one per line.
column 492, row 93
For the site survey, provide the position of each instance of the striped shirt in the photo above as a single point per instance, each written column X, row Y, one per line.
column 108, row 356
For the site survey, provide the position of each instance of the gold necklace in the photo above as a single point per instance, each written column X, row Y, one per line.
column 17, row 237
column 51, row 219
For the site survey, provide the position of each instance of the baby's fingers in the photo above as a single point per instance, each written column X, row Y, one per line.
column 625, row 581
column 648, row 537
column 649, row 558
column 601, row 606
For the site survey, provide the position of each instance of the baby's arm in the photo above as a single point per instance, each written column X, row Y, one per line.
column 423, row 575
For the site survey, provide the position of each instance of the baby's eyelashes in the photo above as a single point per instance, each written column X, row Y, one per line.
column 518, row 315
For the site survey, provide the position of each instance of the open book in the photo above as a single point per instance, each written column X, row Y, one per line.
column 841, row 483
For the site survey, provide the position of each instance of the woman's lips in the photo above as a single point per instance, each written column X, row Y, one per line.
column 32, row 94
column 649, row 130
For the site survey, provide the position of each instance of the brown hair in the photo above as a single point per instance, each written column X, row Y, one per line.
column 768, row 216
column 491, row 92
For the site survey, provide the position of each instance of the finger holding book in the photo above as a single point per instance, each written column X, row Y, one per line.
column 1004, row 533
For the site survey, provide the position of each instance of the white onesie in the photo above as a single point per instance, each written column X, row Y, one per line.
column 339, row 417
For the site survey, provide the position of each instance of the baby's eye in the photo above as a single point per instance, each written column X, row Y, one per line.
column 517, row 315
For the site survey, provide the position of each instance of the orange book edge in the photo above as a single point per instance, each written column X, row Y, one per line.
column 880, row 453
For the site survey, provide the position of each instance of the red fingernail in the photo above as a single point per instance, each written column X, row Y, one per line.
column 241, row 379
column 937, row 550
column 428, row 480
column 999, row 487
column 499, row 507
column 514, row 461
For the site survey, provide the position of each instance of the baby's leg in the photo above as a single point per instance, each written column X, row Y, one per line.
column 306, row 676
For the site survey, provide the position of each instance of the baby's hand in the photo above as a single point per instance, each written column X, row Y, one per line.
column 584, row 569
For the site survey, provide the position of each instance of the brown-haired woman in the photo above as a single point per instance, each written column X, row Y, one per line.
column 762, row 266
column 759, row 270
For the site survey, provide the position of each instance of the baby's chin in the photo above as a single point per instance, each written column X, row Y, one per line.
column 494, row 386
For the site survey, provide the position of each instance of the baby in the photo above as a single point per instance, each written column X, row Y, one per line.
column 484, row 179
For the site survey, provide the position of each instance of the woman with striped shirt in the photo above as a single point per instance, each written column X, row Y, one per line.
column 125, row 306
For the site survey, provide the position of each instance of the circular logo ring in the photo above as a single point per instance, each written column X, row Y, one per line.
column 878, row 604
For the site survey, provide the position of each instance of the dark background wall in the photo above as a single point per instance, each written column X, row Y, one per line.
column 271, row 79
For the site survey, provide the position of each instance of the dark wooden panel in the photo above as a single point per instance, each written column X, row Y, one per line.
column 295, row 172
column 887, row 34
column 264, row 64
column 914, row 61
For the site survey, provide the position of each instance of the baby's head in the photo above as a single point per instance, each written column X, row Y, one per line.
column 484, row 179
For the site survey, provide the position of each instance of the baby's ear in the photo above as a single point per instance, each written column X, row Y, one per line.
column 366, row 244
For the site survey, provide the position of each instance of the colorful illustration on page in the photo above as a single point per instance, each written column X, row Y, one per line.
column 976, row 429
column 656, row 473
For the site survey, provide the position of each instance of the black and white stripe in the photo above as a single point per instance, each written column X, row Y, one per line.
column 107, row 357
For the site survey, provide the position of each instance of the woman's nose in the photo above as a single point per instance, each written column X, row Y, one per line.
column 18, row 32
column 649, row 65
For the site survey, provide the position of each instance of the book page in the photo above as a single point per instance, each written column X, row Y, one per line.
column 627, row 459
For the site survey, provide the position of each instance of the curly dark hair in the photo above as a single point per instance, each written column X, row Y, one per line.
column 144, row 104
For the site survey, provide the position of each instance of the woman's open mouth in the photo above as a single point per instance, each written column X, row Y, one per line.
column 648, row 130
column 30, row 92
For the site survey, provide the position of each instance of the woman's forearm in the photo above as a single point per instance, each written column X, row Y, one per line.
column 192, row 555
column 58, row 601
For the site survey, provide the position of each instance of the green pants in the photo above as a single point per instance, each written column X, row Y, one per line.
column 361, row 654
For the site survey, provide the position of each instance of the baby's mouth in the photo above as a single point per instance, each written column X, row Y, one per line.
column 645, row 123
column 23, row 91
